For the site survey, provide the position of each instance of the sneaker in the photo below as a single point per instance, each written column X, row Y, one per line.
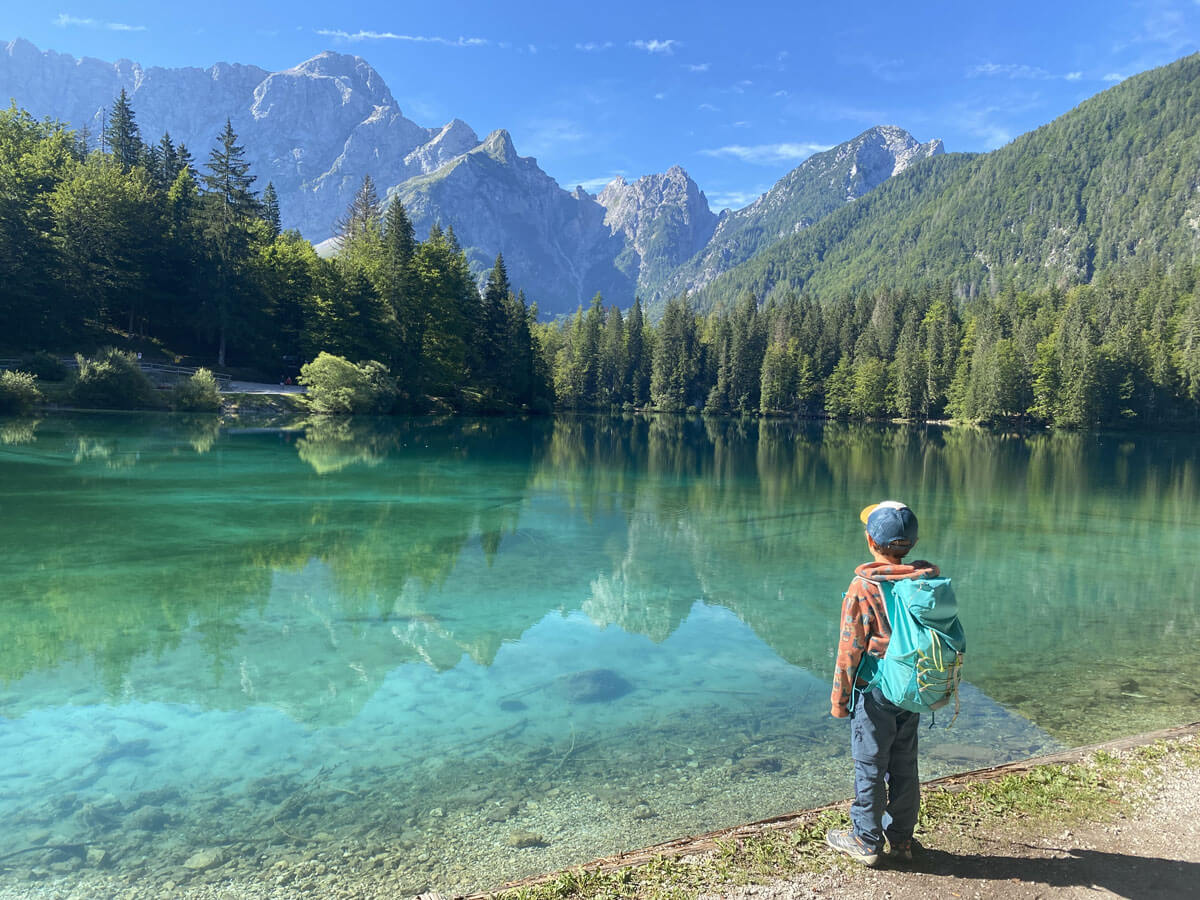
column 901, row 849
column 845, row 842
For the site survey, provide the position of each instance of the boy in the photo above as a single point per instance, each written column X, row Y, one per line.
column 883, row 737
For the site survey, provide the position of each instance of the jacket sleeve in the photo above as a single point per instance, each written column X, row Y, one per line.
column 851, row 646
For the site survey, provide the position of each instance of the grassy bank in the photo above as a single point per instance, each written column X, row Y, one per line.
column 1097, row 786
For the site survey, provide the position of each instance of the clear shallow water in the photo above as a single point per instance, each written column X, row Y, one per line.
column 394, row 652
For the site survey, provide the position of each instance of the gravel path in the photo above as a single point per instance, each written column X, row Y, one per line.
column 1153, row 853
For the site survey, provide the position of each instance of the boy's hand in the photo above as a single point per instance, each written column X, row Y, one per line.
column 839, row 712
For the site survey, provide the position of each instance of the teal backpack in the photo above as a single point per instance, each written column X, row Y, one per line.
column 922, row 667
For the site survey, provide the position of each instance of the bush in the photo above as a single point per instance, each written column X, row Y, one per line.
column 46, row 366
column 338, row 386
column 112, row 380
column 18, row 392
column 198, row 394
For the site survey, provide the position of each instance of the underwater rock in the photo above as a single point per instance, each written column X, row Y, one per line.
column 758, row 765
column 644, row 811
column 147, row 818
column 594, row 686
column 512, row 705
column 202, row 860
column 521, row 839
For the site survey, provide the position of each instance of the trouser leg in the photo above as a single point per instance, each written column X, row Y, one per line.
column 872, row 732
column 904, row 780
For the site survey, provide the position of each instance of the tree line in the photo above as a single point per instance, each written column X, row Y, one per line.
column 134, row 238
column 1121, row 350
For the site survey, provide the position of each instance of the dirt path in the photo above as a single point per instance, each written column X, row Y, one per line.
column 1152, row 853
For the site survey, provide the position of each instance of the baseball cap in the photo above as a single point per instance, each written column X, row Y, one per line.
column 890, row 522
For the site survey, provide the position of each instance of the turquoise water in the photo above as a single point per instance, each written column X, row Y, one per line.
column 443, row 654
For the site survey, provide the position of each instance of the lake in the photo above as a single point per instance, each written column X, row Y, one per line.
column 440, row 654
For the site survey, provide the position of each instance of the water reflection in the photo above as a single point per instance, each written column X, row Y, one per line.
column 424, row 540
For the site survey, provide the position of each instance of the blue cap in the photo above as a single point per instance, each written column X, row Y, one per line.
column 890, row 522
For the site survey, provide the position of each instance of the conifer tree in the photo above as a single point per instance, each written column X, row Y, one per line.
column 122, row 135
column 230, row 213
column 270, row 211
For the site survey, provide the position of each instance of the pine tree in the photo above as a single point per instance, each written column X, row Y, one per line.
column 230, row 212
column 270, row 214
column 363, row 217
column 493, row 327
column 122, row 135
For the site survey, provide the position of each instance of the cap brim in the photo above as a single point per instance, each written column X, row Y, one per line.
column 866, row 513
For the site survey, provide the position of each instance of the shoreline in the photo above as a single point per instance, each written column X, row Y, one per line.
column 713, row 841
column 965, row 818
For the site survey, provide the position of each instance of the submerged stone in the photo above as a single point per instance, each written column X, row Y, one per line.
column 594, row 686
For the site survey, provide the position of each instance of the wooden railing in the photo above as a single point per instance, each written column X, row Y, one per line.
column 147, row 367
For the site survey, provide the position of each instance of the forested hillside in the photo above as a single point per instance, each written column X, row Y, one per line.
column 1109, row 183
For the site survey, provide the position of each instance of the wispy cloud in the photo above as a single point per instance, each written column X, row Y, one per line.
column 1073, row 76
column 697, row 67
column 656, row 46
column 392, row 36
column 708, row 107
column 767, row 154
column 64, row 20
column 1114, row 77
column 596, row 185
column 594, row 46
column 733, row 199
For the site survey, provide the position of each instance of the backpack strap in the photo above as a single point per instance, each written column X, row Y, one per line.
column 855, row 690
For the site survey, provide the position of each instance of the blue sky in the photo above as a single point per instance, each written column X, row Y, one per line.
column 738, row 93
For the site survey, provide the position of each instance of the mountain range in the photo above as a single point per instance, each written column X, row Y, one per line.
column 316, row 129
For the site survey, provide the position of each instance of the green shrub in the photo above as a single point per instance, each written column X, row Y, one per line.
column 338, row 386
column 46, row 366
column 112, row 380
column 198, row 394
column 18, row 392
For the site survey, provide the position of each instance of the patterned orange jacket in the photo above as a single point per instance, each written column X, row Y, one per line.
column 865, row 625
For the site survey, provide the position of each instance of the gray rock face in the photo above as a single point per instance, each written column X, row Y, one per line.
column 555, row 244
column 665, row 219
column 818, row 186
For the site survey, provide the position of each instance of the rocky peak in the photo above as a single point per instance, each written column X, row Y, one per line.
column 662, row 215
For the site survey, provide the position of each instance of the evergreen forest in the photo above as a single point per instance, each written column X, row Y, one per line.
column 136, row 239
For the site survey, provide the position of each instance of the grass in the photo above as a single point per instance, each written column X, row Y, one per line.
column 1096, row 789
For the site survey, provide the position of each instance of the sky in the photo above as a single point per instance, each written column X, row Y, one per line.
column 738, row 93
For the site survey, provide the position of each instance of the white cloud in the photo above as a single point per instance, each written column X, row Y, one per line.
column 593, row 46
column 733, row 199
column 1115, row 77
column 596, row 185
column 68, row 21
column 656, row 46
column 660, row 96
column 768, row 154
column 392, row 36
column 707, row 107
column 697, row 67
column 1008, row 70
column 1073, row 76
column 741, row 124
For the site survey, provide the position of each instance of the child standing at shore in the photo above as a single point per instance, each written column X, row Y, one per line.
column 883, row 737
